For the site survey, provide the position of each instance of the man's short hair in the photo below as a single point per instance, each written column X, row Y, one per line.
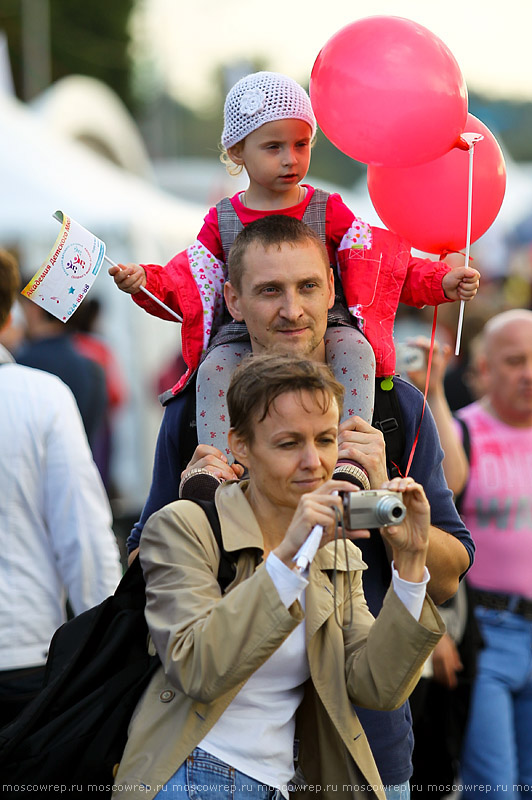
column 271, row 231
column 9, row 284
column 260, row 379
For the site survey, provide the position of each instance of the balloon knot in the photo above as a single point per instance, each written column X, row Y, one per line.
column 462, row 144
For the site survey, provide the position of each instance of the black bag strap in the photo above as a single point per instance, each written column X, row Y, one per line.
column 466, row 444
column 388, row 418
column 466, row 438
column 227, row 568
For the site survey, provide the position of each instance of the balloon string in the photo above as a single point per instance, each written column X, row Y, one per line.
column 429, row 365
column 468, row 241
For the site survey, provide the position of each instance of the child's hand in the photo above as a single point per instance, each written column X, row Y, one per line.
column 128, row 277
column 461, row 283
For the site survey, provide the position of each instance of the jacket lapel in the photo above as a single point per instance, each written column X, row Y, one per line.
column 319, row 596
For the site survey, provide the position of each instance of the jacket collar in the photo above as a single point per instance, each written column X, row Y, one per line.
column 240, row 529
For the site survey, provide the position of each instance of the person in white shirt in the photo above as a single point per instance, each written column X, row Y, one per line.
column 55, row 519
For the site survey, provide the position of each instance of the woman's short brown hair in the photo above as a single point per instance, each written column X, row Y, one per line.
column 260, row 379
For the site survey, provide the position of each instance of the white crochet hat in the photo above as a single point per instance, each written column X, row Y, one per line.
column 263, row 97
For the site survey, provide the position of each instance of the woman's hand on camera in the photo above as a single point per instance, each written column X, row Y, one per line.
column 409, row 541
column 322, row 507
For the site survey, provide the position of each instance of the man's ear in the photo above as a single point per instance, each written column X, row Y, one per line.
column 331, row 288
column 232, row 301
column 482, row 366
column 7, row 323
column 235, row 154
column 238, row 446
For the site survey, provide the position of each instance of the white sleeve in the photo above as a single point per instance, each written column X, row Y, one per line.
column 412, row 595
column 288, row 583
column 76, row 508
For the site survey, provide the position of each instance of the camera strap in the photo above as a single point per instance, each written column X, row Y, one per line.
column 340, row 524
column 466, row 444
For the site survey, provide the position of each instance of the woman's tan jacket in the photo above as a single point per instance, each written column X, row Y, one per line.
column 209, row 647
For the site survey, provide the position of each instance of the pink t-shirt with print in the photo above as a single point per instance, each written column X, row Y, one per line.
column 497, row 504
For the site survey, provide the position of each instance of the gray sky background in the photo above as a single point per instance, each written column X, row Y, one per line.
column 491, row 40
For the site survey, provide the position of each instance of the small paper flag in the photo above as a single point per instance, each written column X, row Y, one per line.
column 69, row 271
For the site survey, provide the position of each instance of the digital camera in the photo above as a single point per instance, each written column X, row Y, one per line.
column 409, row 357
column 374, row 508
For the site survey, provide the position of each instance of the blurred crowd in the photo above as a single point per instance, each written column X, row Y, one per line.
column 78, row 354
column 473, row 703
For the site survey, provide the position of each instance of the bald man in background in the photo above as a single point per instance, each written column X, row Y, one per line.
column 497, row 509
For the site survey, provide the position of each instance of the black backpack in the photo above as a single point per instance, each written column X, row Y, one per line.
column 74, row 732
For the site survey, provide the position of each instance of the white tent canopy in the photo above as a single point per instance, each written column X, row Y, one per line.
column 41, row 171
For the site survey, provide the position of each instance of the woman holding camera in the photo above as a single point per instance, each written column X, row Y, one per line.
column 283, row 654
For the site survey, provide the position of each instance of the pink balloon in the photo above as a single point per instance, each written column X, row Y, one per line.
column 427, row 204
column 387, row 91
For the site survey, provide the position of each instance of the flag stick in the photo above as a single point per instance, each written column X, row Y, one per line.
column 150, row 295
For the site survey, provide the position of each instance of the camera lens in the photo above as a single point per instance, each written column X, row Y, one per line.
column 390, row 511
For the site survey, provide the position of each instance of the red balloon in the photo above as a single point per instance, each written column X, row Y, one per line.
column 427, row 204
column 387, row 91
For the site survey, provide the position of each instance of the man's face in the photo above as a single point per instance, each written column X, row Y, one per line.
column 285, row 295
column 508, row 372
